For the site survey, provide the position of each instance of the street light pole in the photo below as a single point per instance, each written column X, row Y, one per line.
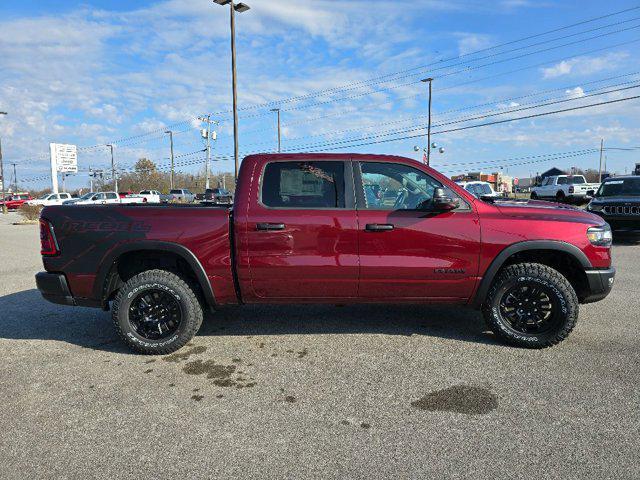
column 233, row 8
column 15, row 178
column 114, row 176
column 600, row 169
column 277, row 110
column 172, row 158
column 429, row 81
column 4, row 204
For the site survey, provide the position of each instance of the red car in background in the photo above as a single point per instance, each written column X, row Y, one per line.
column 15, row 201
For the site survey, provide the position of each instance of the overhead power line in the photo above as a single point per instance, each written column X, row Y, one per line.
column 554, row 112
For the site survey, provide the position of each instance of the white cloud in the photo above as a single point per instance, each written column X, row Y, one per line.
column 472, row 42
column 585, row 65
column 576, row 92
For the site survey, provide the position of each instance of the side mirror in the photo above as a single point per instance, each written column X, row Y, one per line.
column 442, row 202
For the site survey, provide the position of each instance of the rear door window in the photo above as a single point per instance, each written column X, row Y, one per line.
column 303, row 185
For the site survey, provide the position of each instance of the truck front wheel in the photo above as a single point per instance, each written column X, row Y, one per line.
column 531, row 305
column 156, row 312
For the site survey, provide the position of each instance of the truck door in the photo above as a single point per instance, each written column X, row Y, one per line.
column 301, row 232
column 406, row 251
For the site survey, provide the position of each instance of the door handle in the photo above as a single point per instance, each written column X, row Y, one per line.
column 379, row 227
column 270, row 226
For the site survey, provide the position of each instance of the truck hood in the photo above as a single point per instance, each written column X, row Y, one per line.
column 617, row 200
column 541, row 210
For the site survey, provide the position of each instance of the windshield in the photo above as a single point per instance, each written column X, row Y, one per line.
column 623, row 186
column 44, row 197
column 176, row 191
column 483, row 189
column 87, row 196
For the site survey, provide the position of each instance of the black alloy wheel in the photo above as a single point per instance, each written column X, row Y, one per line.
column 529, row 308
column 155, row 314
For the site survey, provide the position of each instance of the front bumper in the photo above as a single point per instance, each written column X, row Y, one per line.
column 600, row 284
column 54, row 288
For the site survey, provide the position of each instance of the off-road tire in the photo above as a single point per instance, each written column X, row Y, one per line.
column 534, row 196
column 176, row 286
column 560, row 197
column 545, row 277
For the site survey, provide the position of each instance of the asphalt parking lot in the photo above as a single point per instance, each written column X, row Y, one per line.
column 315, row 391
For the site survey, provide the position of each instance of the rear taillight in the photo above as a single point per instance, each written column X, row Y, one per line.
column 48, row 243
column 572, row 189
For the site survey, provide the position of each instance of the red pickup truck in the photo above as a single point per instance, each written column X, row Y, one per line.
column 15, row 201
column 328, row 228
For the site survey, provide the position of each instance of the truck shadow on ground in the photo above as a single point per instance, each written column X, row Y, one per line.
column 26, row 316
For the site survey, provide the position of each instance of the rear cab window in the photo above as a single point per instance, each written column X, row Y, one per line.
column 304, row 185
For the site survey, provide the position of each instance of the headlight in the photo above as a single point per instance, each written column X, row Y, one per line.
column 594, row 207
column 600, row 236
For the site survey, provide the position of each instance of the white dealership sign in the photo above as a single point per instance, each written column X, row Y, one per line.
column 64, row 159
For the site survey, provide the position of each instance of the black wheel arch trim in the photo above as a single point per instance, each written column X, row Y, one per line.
column 157, row 246
column 501, row 258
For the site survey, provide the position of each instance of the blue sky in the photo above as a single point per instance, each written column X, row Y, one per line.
column 97, row 72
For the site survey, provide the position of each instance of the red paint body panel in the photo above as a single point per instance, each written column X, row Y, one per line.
column 322, row 255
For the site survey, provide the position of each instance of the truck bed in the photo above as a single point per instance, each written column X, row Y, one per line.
column 113, row 235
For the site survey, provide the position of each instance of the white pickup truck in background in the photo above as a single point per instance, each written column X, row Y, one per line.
column 565, row 189
column 145, row 196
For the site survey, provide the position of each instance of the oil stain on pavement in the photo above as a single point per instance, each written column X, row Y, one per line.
column 180, row 356
column 459, row 399
column 222, row 375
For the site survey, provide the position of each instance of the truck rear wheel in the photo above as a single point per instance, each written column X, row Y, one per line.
column 531, row 305
column 156, row 312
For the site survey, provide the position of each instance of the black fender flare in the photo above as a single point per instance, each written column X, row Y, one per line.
column 157, row 246
column 501, row 258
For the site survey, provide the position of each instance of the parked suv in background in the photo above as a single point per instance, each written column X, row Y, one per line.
column 618, row 202
column 182, row 195
column 565, row 188
column 479, row 189
column 218, row 195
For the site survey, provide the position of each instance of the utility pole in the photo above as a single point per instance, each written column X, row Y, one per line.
column 114, row 175
column 206, row 175
column 601, row 151
column 4, row 204
column 233, row 8
column 90, row 179
column 277, row 110
column 172, row 158
column 209, row 136
column 429, row 81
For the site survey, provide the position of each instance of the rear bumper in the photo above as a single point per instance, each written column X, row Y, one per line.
column 54, row 288
column 600, row 284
